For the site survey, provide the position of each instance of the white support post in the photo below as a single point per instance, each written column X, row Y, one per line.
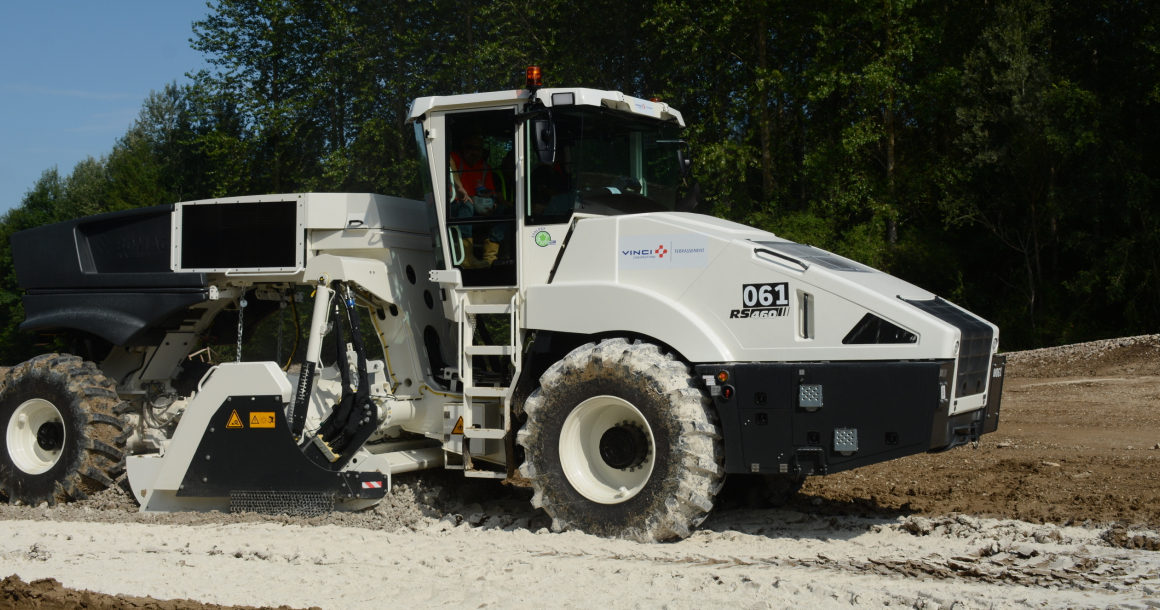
column 318, row 323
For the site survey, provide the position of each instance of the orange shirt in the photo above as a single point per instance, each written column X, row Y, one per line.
column 471, row 177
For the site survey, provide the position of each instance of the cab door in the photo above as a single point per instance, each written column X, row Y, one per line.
column 475, row 194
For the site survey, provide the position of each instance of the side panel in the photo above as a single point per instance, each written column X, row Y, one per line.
column 364, row 211
column 599, row 307
column 887, row 408
column 540, row 247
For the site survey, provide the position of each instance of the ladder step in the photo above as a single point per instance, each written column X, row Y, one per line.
column 504, row 308
column 488, row 350
column 484, row 474
column 486, row 392
column 483, row 433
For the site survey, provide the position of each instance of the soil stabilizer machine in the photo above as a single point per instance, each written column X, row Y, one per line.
column 551, row 314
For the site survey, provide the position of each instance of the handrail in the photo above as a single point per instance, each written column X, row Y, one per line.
column 458, row 237
column 780, row 255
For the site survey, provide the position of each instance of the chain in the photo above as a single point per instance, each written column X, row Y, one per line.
column 241, row 306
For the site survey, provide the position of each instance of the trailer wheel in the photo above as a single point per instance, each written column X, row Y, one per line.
column 61, row 437
column 619, row 441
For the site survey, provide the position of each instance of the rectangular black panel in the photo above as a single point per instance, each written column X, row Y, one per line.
column 258, row 235
column 892, row 405
column 875, row 398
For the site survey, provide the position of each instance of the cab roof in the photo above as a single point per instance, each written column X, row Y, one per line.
column 549, row 97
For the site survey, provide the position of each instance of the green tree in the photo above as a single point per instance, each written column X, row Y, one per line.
column 1025, row 127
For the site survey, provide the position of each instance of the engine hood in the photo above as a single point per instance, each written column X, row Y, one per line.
column 705, row 285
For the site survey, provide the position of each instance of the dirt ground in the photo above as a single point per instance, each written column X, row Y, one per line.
column 1078, row 445
column 48, row 594
column 1077, row 440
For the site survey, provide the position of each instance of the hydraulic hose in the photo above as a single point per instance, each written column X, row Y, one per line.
column 297, row 334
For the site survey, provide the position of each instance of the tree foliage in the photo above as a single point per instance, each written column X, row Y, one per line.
column 1002, row 154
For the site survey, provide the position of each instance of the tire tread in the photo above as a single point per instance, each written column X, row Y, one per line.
column 698, row 445
column 93, row 404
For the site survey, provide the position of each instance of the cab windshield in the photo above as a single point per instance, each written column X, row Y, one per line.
column 607, row 162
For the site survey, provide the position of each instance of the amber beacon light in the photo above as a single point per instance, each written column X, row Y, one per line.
column 535, row 77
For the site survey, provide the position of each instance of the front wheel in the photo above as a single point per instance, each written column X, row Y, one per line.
column 619, row 441
column 61, row 438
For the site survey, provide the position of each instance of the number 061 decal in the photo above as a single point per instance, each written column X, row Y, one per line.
column 763, row 301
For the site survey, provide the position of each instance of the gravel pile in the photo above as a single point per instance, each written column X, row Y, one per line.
column 1093, row 357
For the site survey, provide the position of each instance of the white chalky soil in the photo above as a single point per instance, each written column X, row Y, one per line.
column 742, row 559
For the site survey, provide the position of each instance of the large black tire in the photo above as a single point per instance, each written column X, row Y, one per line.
column 86, row 459
column 686, row 450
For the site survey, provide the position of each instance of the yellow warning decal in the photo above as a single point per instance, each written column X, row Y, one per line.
column 458, row 429
column 263, row 419
column 235, row 421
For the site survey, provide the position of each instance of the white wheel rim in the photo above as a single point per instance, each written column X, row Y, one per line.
column 580, row 456
column 23, row 447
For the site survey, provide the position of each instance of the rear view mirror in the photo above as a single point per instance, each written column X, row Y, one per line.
column 684, row 160
column 544, row 139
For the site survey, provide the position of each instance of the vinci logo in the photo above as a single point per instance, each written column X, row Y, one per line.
column 673, row 251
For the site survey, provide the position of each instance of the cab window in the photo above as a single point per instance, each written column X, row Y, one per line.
column 608, row 163
column 481, row 222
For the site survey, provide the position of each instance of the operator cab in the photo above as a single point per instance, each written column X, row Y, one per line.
column 506, row 172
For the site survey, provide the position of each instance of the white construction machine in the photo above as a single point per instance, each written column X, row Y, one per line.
column 552, row 313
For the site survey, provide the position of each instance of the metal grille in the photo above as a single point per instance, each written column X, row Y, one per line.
column 810, row 396
column 974, row 347
column 295, row 503
column 845, row 439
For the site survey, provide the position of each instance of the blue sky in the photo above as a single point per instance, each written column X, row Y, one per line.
column 74, row 74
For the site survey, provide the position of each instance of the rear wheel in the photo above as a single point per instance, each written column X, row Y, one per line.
column 61, row 437
column 619, row 441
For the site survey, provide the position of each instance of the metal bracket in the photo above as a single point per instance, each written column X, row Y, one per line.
column 445, row 276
